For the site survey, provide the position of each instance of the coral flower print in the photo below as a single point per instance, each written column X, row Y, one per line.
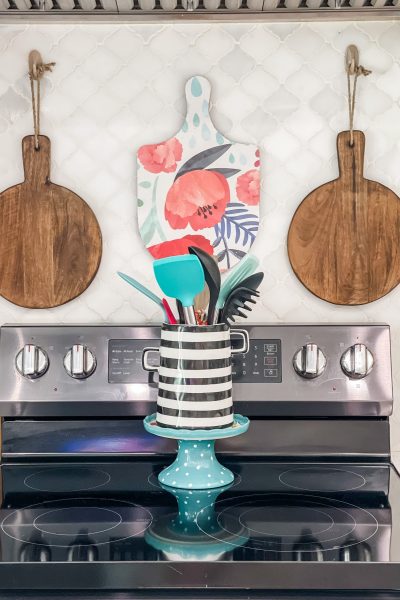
column 180, row 246
column 163, row 157
column 197, row 198
column 248, row 187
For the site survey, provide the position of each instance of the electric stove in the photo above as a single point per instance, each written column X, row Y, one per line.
column 314, row 507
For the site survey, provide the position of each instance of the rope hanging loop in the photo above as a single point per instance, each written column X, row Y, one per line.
column 37, row 68
column 353, row 71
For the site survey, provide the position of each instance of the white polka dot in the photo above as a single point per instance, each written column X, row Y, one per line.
column 194, row 445
column 187, row 474
column 197, row 501
column 221, row 472
column 174, row 482
column 198, row 467
column 185, row 502
column 185, row 464
column 222, row 480
column 201, row 454
column 208, row 445
column 190, row 484
column 177, row 469
column 209, row 475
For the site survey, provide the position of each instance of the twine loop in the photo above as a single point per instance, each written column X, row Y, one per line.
column 354, row 70
column 37, row 68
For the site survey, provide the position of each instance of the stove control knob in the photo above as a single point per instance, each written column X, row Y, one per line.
column 309, row 362
column 32, row 362
column 357, row 361
column 79, row 362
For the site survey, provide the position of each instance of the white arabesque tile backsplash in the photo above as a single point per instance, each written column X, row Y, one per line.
column 282, row 86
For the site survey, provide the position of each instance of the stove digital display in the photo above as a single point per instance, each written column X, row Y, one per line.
column 262, row 364
column 125, row 360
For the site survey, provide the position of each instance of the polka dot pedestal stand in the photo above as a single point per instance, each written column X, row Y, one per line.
column 196, row 467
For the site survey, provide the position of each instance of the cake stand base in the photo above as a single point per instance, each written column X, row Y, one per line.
column 196, row 466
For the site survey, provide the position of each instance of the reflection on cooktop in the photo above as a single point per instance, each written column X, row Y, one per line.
column 62, row 524
column 278, row 522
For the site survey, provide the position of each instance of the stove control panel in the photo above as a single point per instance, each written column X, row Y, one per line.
column 289, row 370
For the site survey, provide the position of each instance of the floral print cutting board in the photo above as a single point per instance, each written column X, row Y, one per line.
column 199, row 188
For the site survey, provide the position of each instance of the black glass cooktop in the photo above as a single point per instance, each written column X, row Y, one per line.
column 98, row 519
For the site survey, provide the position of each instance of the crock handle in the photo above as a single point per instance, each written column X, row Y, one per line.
column 145, row 363
column 245, row 337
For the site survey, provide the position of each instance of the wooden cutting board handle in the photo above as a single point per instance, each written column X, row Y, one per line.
column 351, row 158
column 50, row 241
column 36, row 161
column 344, row 238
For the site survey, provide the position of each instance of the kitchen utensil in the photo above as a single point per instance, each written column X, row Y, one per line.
column 198, row 188
column 238, row 300
column 344, row 239
column 180, row 311
column 246, row 267
column 170, row 314
column 252, row 282
column 144, row 290
column 239, row 295
column 181, row 277
column 212, row 276
column 50, row 240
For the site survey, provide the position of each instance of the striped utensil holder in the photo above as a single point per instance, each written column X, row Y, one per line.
column 195, row 376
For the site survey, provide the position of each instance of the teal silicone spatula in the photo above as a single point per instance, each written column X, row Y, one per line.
column 240, row 271
column 181, row 277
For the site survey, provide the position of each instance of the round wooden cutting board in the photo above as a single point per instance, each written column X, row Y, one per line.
column 50, row 240
column 344, row 239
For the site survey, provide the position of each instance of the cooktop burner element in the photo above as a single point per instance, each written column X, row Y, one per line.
column 279, row 522
column 322, row 479
column 67, row 479
column 71, row 521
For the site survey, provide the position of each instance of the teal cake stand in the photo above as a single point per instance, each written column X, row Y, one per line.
column 196, row 467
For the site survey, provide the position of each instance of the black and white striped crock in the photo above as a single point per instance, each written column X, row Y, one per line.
column 195, row 377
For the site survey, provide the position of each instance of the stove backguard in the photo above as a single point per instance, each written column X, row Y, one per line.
column 310, row 390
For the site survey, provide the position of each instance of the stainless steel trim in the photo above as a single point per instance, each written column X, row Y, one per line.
column 366, row 13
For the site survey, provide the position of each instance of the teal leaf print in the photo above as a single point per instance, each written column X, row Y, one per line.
column 145, row 184
column 205, row 108
column 205, row 132
column 152, row 224
column 231, row 158
column 185, row 126
column 219, row 138
column 196, row 120
column 140, row 203
column 196, row 87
